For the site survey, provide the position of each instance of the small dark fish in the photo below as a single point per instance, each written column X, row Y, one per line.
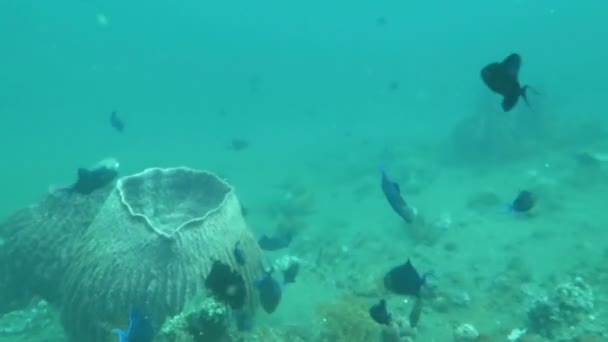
column 404, row 280
column 392, row 192
column 254, row 84
column 503, row 78
column 96, row 178
column 270, row 292
column 379, row 313
column 524, row 202
column 291, row 272
column 381, row 21
column 116, row 122
column 244, row 211
column 416, row 313
column 587, row 159
column 274, row 243
column 227, row 285
column 239, row 255
column 239, row 144
column 394, row 85
column 140, row 328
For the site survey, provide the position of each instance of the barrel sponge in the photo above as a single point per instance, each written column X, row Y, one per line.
column 39, row 242
column 152, row 244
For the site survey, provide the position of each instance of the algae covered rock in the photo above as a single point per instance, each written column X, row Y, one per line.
column 565, row 312
column 204, row 319
column 35, row 318
column 149, row 240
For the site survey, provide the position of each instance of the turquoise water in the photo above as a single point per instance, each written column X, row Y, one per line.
column 324, row 93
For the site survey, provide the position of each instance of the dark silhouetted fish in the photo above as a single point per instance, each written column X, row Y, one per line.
column 416, row 313
column 239, row 144
column 404, row 280
column 381, row 21
column 291, row 272
column 276, row 242
column 226, row 285
column 270, row 292
column 503, row 78
column 116, row 122
column 524, row 202
column 95, row 178
column 379, row 313
column 392, row 192
column 394, row 85
column 588, row 160
column 140, row 328
column 239, row 255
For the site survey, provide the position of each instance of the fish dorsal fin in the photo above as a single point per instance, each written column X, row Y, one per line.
column 512, row 64
column 412, row 273
column 410, row 268
column 397, row 187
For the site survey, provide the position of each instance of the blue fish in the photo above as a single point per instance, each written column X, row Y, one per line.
column 291, row 272
column 239, row 255
column 140, row 328
column 392, row 192
column 116, row 122
column 270, row 292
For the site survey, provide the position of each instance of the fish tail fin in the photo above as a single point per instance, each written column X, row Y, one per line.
column 525, row 90
column 122, row 335
column 140, row 326
column 524, row 94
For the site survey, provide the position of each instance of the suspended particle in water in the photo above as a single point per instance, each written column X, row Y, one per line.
column 102, row 20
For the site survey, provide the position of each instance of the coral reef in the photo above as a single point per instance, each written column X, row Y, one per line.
column 149, row 241
column 347, row 321
column 516, row 334
column 465, row 332
column 283, row 263
column 204, row 319
column 560, row 315
column 28, row 320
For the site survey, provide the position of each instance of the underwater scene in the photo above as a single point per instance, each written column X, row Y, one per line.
column 319, row 171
